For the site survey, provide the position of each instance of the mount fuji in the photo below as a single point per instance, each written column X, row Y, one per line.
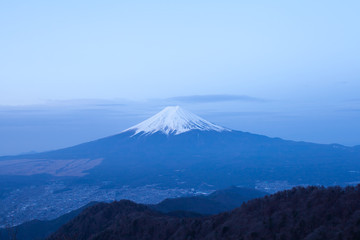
column 174, row 120
column 178, row 148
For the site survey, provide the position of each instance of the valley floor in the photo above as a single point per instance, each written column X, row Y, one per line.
column 47, row 202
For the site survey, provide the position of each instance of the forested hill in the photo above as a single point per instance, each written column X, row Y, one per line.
column 299, row 213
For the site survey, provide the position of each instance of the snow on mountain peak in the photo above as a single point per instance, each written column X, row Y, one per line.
column 174, row 120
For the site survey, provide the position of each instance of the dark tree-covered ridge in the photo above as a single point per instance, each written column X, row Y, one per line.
column 300, row 213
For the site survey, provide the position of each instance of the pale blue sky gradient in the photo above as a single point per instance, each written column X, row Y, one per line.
column 280, row 68
column 146, row 49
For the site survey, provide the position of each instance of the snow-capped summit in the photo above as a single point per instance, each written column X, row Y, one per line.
column 174, row 120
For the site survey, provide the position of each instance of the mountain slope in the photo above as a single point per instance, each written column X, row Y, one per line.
column 180, row 149
column 299, row 213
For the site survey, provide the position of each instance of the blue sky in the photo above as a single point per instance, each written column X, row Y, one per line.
column 281, row 68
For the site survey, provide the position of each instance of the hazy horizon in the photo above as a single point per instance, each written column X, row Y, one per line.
column 65, row 123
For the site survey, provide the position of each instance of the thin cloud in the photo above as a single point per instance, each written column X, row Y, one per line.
column 349, row 110
column 241, row 114
column 215, row 98
column 353, row 100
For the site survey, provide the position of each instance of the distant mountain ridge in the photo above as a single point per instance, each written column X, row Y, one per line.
column 216, row 202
